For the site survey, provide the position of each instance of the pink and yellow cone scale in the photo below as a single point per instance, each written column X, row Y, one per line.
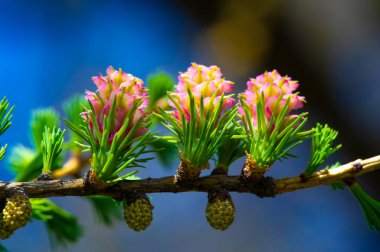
column 126, row 89
column 203, row 82
column 276, row 89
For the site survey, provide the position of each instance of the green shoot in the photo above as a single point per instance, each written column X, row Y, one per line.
column 27, row 163
column 2, row 151
column 109, row 158
column 322, row 147
column 369, row 205
column 5, row 115
column 52, row 141
column 198, row 141
column 5, row 121
column 273, row 140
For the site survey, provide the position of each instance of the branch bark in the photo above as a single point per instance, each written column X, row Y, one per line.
column 268, row 188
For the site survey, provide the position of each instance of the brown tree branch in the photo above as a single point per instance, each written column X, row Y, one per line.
column 267, row 188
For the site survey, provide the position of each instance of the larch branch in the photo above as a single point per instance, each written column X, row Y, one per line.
column 82, row 186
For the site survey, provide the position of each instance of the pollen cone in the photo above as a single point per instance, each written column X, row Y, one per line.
column 220, row 210
column 15, row 213
column 138, row 211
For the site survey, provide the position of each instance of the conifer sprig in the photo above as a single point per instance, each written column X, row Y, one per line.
column 369, row 205
column 2, row 151
column 5, row 121
column 26, row 162
column 271, row 141
column 198, row 141
column 5, row 115
column 322, row 147
column 51, row 147
column 125, row 150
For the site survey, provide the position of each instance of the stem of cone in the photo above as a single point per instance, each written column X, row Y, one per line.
column 251, row 172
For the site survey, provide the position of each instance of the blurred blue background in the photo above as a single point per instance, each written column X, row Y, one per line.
column 50, row 49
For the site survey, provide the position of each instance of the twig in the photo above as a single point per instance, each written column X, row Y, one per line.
column 272, row 187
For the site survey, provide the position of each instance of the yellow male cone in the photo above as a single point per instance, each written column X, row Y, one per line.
column 138, row 211
column 15, row 213
column 220, row 210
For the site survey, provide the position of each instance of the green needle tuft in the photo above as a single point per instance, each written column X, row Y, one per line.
column 322, row 147
column 369, row 205
column 52, row 142
column 5, row 121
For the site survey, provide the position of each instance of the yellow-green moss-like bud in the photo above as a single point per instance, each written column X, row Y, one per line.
column 138, row 211
column 5, row 233
column 16, row 211
column 220, row 210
